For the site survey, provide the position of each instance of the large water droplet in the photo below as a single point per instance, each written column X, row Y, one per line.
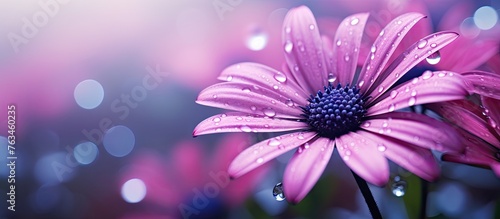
column 398, row 187
column 331, row 78
column 269, row 112
column 354, row 21
column 434, row 58
column 288, row 46
column 280, row 77
column 422, row 43
column 289, row 102
column 278, row 193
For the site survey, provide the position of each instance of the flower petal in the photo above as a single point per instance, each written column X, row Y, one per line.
column 304, row 49
column 466, row 54
column 428, row 88
column 417, row 129
column 477, row 152
column 492, row 107
column 384, row 46
column 461, row 115
column 305, row 168
column 243, row 122
column 347, row 45
column 417, row 160
column 407, row 60
column 264, row 76
column 361, row 155
column 266, row 150
column 249, row 99
column 484, row 83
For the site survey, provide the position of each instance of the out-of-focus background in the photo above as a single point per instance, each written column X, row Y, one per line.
column 104, row 97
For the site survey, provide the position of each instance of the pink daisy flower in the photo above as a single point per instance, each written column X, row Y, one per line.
column 320, row 97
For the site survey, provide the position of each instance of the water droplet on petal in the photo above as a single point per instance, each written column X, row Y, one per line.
column 391, row 107
column 253, row 108
column 246, row 90
column 229, row 78
column 433, row 45
column 289, row 102
column 278, row 193
column 260, row 160
column 427, row 75
column 373, row 49
column 273, row 142
column 354, row 21
column 331, row 78
column 381, row 148
column 412, row 101
column 280, row 77
column 394, row 93
column 414, row 93
column 380, row 89
column 288, row 29
column 434, row 58
column 245, row 128
column 214, row 96
column 360, row 84
column 269, row 112
column 398, row 187
column 382, row 32
column 288, row 46
column 346, row 58
column 339, row 42
column 311, row 27
column 300, row 136
column 346, row 158
column 441, row 74
column 216, row 119
column 422, row 43
column 367, row 124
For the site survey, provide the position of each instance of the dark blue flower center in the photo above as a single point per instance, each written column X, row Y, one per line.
column 335, row 111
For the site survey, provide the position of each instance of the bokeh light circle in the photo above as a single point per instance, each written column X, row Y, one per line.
column 119, row 141
column 134, row 190
column 485, row 17
column 89, row 94
column 85, row 153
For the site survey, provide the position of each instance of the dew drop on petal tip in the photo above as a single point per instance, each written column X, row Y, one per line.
column 434, row 58
column 278, row 193
column 354, row 21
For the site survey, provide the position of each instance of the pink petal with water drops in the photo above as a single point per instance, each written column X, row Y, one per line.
column 246, row 98
column 361, row 155
column 484, row 83
column 429, row 88
column 266, row 150
column 417, row 160
column 328, row 49
column 304, row 49
column 243, row 122
column 346, row 47
column 305, row 168
column 466, row 119
column 384, row 47
column 266, row 77
column 416, row 129
column 408, row 59
column 477, row 152
column 492, row 108
column 290, row 76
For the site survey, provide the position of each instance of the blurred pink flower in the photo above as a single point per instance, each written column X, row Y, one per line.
column 198, row 182
column 356, row 116
column 479, row 134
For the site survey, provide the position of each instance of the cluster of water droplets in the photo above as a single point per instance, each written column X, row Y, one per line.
column 278, row 193
column 399, row 187
column 433, row 58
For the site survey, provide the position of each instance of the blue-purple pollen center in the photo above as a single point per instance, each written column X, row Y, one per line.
column 335, row 111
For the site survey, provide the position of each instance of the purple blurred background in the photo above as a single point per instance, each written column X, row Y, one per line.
column 104, row 94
